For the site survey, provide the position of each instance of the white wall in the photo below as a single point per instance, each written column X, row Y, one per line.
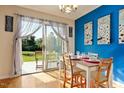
column 6, row 38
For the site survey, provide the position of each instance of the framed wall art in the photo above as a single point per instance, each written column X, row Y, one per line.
column 9, row 23
column 70, row 31
column 121, row 27
column 88, row 39
column 103, row 36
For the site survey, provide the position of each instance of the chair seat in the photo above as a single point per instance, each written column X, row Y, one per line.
column 53, row 60
column 101, row 78
column 76, row 71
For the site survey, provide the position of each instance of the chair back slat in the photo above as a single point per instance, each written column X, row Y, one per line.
column 37, row 53
column 72, row 75
column 67, row 63
column 104, row 68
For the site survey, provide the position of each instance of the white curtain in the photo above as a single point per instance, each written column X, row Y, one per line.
column 61, row 31
column 26, row 27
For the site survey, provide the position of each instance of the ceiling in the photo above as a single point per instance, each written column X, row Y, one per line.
column 54, row 10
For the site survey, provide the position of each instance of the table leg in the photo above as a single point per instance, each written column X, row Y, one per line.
column 88, row 78
column 110, row 78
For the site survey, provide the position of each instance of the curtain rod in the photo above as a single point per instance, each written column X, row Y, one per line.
column 38, row 18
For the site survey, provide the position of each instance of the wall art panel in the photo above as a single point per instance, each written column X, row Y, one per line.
column 88, row 34
column 121, row 26
column 104, row 30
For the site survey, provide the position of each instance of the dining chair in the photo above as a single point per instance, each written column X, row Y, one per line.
column 93, row 55
column 103, row 73
column 38, row 54
column 72, row 75
column 52, row 57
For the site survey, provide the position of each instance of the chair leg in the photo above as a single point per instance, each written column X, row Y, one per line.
column 64, row 82
column 36, row 63
column 97, row 85
column 72, row 82
column 75, row 79
column 81, row 78
column 92, row 84
column 107, row 84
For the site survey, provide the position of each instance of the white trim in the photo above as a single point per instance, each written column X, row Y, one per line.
column 5, row 75
column 9, row 75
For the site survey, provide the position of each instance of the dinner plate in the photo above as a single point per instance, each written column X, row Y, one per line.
column 92, row 61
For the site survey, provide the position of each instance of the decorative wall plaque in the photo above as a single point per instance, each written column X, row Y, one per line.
column 104, row 30
column 70, row 31
column 9, row 23
column 88, row 39
column 121, row 26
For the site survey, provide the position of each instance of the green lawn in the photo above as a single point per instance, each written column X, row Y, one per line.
column 30, row 56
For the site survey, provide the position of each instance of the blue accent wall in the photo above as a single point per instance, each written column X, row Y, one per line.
column 114, row 49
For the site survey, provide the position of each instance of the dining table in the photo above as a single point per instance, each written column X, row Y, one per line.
column 88, row 65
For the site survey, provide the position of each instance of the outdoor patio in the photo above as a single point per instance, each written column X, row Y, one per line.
column 30, row 67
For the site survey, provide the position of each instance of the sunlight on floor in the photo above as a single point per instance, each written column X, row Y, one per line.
column 44, row 77
column 30, row 67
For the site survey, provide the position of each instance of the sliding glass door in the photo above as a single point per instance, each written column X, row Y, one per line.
column 53, row 48
column 32, row 53
column 46, row 52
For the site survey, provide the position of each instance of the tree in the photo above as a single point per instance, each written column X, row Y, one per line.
column 28, row 44
column 39, row 44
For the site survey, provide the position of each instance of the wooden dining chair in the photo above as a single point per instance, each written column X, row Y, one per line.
column 38, row 54
column 93, row 56
column 72, row 75
column 103, row 73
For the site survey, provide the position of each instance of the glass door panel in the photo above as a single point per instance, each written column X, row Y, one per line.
column 53, row 49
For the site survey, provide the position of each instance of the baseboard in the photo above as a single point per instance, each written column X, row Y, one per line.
column 5, row 75
column 8, row 75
